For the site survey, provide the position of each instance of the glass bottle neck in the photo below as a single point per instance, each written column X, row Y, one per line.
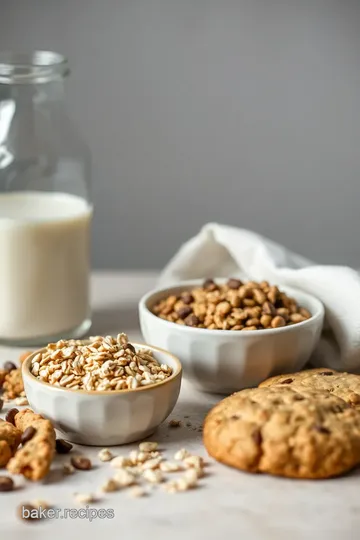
column 51, row 92
column 38, row 76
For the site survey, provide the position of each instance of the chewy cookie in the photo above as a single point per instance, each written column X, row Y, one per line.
column 343, row 385
column 9, row 441
column 293, row 432
column 13, row 385
column 34, row 458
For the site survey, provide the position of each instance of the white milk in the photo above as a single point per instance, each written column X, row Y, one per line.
column 44, row 264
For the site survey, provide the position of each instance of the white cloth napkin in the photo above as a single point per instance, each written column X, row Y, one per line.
column 223, row 251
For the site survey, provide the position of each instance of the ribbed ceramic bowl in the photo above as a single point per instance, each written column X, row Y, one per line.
column 224, row 361
column 109, row 417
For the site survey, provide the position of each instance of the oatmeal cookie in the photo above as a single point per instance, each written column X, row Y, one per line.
column 13, row 385
column 34, row 458
column 3, row 373
column 10, row 438
column 343, row 385
column 293, row 432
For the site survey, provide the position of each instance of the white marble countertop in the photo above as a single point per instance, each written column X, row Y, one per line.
column 227, row 503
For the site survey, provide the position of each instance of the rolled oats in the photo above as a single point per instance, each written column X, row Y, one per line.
column 232, row 306
column 21, row 401
column 153, row 476
column 124, row 478
column 170, row 466
column 109, row 486
column 84, row 498
column 170, row 487
column 105, row 455
column 191, row 477
column 148, row 446
column 68, row 468
column 106, row 363
column 181, row 454
column 120, row 462
column 152, row 463
column 39, row 503
column 137, row 492
column 196, row 462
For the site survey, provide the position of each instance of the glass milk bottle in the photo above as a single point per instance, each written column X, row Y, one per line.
column 45, row 207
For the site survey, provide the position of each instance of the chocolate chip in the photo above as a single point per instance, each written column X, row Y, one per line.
column 6, row 483
column 27, row 435
column 321, row 429
column 82, row 463
column 338, row 408
column 297, row 397
column 1, row 404
column 287, row 381
column 234, row 283
column 9, row 366
column 129, row 346
column 257, row 437
column 62, row 446
column 209, row 285
column 269, row 308
column 192, row 320
column 28, row 512
column 10, row 416
column 326, row 373
column 187, row 298
column 184, row 312
column 235, row 417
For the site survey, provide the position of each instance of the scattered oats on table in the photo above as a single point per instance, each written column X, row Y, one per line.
column 39, row 503
column 109, row 486
column 21, row 401
column 119, row 462
column 68, row 468
column 153, row 476
column 170, row 466
column 152, row 463
column 181, row 454
column 105, row 455
column 84, row 498
column 137, row 492
column 148, row 446
column 124, row 478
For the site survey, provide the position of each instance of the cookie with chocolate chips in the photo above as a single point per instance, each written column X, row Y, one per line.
column 343, row 385
column 286, row 431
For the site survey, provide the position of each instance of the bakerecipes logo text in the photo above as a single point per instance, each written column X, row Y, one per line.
column 87, row 513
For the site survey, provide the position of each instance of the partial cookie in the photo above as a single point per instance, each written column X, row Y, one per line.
column 10, row 438
column 343, row 385
column 3, row 373
column 33, row 460
column 13, row 385
column 299, row 433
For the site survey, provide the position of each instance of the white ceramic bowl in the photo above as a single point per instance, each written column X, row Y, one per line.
column 224, row 361
column 108, row 417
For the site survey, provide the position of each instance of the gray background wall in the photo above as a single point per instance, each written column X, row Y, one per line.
column 246, row 112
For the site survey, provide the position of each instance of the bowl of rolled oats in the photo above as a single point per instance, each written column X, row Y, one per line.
column 103, row 391
column 231, row 334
